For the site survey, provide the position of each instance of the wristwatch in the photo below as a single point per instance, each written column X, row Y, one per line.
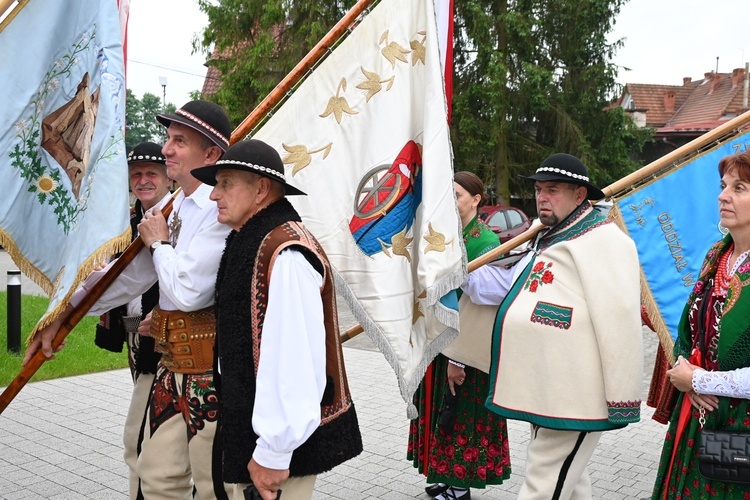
column 156, row 244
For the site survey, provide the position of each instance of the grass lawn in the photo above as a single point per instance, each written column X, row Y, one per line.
column 80, row 355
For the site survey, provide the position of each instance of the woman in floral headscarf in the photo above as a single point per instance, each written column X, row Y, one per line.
column 474, row 451
column 716, row 324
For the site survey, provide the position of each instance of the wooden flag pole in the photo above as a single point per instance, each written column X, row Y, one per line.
column 76, row 315
column 610, row 191
column 299, row 70
column 5, row 5
column 247, row 124
column 699, row 142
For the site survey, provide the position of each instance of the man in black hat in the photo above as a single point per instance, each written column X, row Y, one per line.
column 567, row 353
column 279, row 356
column 150, row 186
column 183, row 255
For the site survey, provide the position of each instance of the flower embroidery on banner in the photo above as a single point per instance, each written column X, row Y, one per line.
column 540, row 275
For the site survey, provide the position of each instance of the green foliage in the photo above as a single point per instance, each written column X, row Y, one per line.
column 140, row 119
column 79, row 356
column 531, row 78
column 256, row 44
column 534, row 77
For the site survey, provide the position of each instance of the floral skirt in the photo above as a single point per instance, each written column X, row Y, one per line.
column 476, row 452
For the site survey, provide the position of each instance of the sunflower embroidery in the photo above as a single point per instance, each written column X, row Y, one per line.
column 540, row 275
column 46, row 184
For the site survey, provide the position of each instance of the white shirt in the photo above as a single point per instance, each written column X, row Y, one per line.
column 135, row 306
column 186, row 273
column 489, row 284
column 292, row 365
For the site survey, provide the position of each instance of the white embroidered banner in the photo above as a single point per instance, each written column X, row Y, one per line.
column 366, row 137
column 62, row 156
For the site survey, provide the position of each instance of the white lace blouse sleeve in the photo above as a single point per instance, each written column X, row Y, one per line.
column 734, row 384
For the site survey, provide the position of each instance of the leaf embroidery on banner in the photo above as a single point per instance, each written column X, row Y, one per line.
column 392, row 51
column 436, row 240
column 373, row 84
column 338, row 105
column 418, row 52
column 540, row 275
column 301, row 157
column 398, row 246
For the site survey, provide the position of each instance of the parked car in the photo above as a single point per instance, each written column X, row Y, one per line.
column 506, row 222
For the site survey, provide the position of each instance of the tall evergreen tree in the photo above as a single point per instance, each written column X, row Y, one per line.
column 256, row 44
column 532, row 77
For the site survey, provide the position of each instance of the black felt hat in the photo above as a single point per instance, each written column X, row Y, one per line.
column 146, row 152
column 251, row 155
column 205, row 117
column 561, row 167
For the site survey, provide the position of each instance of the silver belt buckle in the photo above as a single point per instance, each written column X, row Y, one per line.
column 131, row 323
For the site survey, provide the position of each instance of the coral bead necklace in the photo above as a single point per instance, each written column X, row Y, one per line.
column 721, row 281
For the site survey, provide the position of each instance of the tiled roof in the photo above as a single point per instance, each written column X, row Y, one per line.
column 212, row 82
column 699, row 105
column 651, row 99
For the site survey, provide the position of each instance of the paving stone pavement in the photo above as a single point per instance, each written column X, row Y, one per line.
column 61, row 439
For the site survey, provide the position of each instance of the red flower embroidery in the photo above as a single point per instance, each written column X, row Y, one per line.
column 471, row 454
column 493, row 450
column 540, row 275
column 442, row 467
column 459, row 471
column 449, row 451
column 482, row 473
column 461, row 440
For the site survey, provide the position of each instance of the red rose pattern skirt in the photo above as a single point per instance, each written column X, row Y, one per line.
column 476, row 452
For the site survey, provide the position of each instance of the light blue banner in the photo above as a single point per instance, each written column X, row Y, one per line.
column 673, row 221
column 64, row 205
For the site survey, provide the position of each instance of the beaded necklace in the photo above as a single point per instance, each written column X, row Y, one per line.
column 721, row 281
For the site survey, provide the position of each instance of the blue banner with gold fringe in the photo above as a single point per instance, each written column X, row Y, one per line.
column 64, row 206
column 674, row 220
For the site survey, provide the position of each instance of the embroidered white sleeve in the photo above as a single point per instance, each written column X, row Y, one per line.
column 735, row 383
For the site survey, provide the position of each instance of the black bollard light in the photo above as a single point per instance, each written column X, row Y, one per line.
column 14, row 311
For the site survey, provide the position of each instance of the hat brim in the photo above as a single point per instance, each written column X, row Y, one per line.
column 207, row 175
column 166, row 120
column 593, row 192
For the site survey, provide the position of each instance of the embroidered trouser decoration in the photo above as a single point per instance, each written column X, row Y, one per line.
column 196, row 401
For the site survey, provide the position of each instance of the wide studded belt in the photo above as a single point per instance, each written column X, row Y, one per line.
column 185, row 340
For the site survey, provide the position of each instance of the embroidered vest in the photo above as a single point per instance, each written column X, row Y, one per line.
column 240, row 330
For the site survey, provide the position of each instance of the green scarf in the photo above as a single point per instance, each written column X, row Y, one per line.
column 734, row 328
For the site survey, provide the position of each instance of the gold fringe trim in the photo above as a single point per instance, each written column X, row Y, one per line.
column 647, row 297
column 25, row 266
column 108, row 249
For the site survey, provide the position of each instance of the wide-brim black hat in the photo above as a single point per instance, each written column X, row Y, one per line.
column 251, row 155
column 205, row 117
column 561, row 167
column 146, row 152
